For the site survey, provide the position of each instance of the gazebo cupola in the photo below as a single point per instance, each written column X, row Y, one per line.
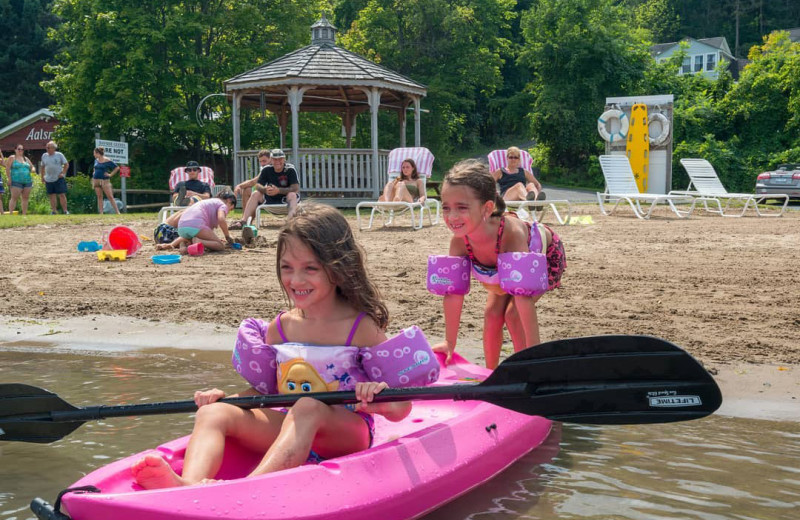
column 323, row 32
column 322, row 77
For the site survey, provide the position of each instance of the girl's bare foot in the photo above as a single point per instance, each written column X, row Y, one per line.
column 153, row 472
column 183, row 248
column 162, row 247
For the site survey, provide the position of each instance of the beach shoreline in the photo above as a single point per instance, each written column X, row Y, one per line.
column 751, row 391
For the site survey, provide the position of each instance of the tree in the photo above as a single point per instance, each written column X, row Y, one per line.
column 139, row 69
column 25, row 50
column 454, row 47
column 579, row 53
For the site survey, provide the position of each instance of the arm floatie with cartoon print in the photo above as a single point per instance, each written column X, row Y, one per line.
column 403, row 360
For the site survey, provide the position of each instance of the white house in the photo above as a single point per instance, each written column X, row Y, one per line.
column 702, row 56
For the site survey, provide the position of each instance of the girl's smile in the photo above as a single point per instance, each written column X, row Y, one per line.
column 462, row 211
column 304, row 278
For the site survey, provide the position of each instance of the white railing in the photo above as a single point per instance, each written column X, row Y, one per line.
column 328, row 172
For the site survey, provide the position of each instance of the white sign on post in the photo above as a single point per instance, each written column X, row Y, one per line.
column 117, row 151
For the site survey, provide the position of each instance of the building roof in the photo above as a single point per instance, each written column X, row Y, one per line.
column 718, row 43
column 324, row 63
column 42, row 113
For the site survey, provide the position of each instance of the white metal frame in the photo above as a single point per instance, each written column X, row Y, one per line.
column 621, row 187
column 708, row 188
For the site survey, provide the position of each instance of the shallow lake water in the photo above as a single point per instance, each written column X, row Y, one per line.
column 712, row 469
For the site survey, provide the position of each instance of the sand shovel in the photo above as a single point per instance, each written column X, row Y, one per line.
column 249, row 233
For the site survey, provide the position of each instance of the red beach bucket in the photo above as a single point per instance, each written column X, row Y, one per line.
column 123, row 237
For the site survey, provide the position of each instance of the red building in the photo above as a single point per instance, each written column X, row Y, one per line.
column 33, row 132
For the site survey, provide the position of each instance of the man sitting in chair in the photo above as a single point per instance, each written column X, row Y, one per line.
column 188, row 192
column 276, row 184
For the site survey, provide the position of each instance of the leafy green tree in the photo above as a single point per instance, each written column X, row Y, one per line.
column 454, row 47
column 140, row 69
column 25, row 50
column 579, row 52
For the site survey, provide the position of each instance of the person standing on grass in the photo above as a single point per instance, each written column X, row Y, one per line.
column 104, row 169
column 53, row 171
column 19, row 169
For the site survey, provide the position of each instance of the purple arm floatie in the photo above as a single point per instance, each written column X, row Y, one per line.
column 448, row 274
column 402, row 360
column 522, row 274
column 253, row 359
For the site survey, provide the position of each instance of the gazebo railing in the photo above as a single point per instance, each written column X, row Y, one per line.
column 328, row 172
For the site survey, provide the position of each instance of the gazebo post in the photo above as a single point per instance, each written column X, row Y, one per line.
column 401, row 115
column 417, row 131
column 282, row 125
column 237, row 168
column 295, row 98
column 374, row 98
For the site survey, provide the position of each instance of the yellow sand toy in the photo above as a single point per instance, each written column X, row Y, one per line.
column 119, row 255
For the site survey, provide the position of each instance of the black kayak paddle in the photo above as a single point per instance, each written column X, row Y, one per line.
column 589, row 380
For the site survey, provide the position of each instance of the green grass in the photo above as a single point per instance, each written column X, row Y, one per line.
column 15, row 221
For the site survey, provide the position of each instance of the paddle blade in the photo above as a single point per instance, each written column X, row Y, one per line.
column 25, row 414
column 608, row 380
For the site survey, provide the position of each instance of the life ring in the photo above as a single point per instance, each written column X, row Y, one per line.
column 607, row 116
column 663, row 137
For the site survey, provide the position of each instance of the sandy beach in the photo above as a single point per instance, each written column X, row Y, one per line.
column 722, row 288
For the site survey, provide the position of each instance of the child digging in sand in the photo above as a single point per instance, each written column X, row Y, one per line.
column 197, row 223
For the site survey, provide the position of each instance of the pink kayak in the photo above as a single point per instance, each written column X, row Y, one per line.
column 442, row 450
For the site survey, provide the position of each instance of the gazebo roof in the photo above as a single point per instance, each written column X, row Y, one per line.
column 333, row 74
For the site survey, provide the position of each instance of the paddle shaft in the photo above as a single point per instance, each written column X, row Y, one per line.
column 456, row 392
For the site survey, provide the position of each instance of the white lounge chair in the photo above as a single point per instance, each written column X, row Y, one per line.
column 621, row 187
column 423, row 158
column 704, row 184
column 498, row 159
column 179, row 175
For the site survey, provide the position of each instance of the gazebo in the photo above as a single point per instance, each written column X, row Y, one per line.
column 322, row 77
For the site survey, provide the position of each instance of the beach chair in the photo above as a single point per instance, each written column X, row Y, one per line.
column 528, row 209
column 179, row 175
column 389, row 209
column 621, row 187
column 704, row 184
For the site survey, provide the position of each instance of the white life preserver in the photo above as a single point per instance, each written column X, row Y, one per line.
column 607, row 116
column 663, row 137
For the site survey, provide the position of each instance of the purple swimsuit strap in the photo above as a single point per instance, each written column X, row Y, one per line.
column 280, row 328
column 353, row 330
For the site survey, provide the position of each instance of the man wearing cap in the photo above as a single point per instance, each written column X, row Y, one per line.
column 276, row 184
column 185, row 190
column 53, row 167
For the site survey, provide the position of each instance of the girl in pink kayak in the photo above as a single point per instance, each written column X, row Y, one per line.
column 515, row 261
column 197, row 222
column 332, row 302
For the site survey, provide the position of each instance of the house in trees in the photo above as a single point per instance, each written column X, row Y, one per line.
column 702, row 56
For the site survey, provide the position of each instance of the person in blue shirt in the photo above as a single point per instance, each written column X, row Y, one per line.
column 104, row 169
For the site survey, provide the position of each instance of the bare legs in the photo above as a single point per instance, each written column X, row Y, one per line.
column 504, row 309
column 24, row 195
column 520, row 191
column 395, row 192
column 109, row 193
column 285, row 439
column 55, row 199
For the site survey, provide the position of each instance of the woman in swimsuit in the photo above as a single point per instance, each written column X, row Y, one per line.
column 407, row 187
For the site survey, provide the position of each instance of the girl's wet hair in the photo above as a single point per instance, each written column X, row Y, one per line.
column 414, row 172
column 326, row 232
column 227, row 196
column 475, row 174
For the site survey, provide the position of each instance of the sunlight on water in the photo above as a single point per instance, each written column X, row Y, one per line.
column 712, row 469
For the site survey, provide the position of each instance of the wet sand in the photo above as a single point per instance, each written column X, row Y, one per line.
column 724, row 289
